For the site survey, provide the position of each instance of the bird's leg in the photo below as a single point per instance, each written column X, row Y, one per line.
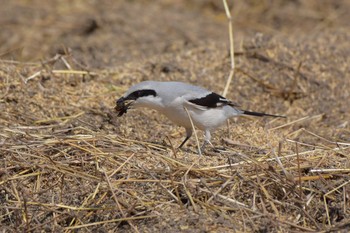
column 188, row 135
column 203, row 147
column 207, row 138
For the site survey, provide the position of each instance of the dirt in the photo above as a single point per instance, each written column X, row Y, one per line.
column 292, row 58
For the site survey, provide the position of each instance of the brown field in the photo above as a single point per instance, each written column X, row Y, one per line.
column 68, row 164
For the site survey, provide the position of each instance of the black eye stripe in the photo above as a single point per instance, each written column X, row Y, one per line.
column 141, row 93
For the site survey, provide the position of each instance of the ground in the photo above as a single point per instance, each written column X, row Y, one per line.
column 69, row 163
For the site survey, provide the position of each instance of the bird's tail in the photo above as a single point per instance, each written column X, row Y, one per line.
column 260, row 114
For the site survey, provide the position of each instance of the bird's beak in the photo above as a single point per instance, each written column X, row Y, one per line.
column 122, row 106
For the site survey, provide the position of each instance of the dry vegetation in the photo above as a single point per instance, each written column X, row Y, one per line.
column 67, row 162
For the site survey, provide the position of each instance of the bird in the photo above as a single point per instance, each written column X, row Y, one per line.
column 181, row 102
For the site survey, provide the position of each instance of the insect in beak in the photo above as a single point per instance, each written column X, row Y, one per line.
column 122, row 106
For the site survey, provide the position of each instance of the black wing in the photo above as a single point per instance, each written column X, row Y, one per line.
column 212, row 100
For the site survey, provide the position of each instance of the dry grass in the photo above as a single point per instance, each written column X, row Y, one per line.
column 67, row 163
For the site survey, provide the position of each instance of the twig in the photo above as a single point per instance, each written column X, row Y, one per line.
column 299, row 171
column 36, row 74
column 325, row 199
column 121, row 166
column 220, row 189
column 298, row 120
column 194, row 130
column 327, row 170
column 116, row 200
column 232, row 54
column 111, row 221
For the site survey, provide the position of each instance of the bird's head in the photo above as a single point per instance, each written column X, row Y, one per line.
column 140, row 95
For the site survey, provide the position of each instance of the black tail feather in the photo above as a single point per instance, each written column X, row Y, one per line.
column 260, row 114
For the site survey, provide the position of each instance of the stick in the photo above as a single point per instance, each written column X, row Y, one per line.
column 232, row 54
column 194, row 130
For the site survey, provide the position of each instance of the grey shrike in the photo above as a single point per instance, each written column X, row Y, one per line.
column 207, row 109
